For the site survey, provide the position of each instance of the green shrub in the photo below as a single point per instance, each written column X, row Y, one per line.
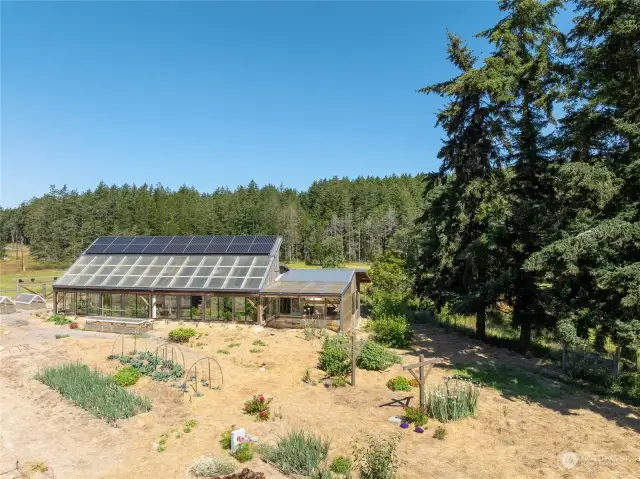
column 338, row 382
column 61, row 336
column 243, row 452
column 58, row 319
column 415, row 416
column 182, row 335
column 399, row 383
column 255, row 351
column 628, row 384
column 341, row 465
column 440, row 433
column 377, row 460
column 334, row 356
column 208, row 466
column 299, row 452
column 376, row 357
column 452, row 400
column 127, row 376
column 306, row 378
column 257, row 342
column 233, row 345
column 391, row 330
column 93, row 391
column 225, row 439
column 222, row 351
column 258, row 406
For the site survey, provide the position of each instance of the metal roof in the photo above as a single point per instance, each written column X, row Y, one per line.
column 311, row 282
column 318, row 275
column 27, row 298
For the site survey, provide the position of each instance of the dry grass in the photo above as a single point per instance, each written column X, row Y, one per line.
column 510, row 437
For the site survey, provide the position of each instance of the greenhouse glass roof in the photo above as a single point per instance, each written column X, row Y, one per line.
column 6, row 300
column 26, row 298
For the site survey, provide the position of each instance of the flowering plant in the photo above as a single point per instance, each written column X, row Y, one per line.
column 258, row 406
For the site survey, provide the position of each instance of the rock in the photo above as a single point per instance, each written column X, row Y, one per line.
column 395, row 419
column 257, row 329
column 154, row 445
column 262, row 369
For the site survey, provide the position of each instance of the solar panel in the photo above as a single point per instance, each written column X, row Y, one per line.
column 115, row 248
column 161, row 239
column 96, row 249
column 154, row 248
column 238, row 249
column 260, row 248
column 135, row 248
column 142, row 239
column 242, row 240
column 202, row 240
column 216, row 248
column 196, row 248
column 105, row 240
column 181, row 240
column 123, row 240
column 174, row 248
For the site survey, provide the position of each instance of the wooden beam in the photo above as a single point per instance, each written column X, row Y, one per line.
column 426, row 362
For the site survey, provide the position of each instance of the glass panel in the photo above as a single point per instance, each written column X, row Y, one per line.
column 99, row 260
column 250, row 309
column 121, row 269
column 226, row 309
column 245, row 260
column 187, row 271
column 180, row 282
column 262, row 261
column 106, row 269
column 93, row 303
column 142, row 305
column 161, row 260
column 112, row 281
column 170, row 271
column 166, row 307
column 184, row 310
column 163, row 282
column 296, row 307
column 215, row 283
column 96, row 281
column 81, row 280
column 252, row 283
column 178, row 260
column 285, row 306
column 129, row 281
column 115, row 259
column 85, row 259
column 154, row 271
column 228, row 260
column 198, row 282
column 138, row 270
column 234, row 283
column 90, row 270
column 75, row 269
column 67, row 279
column 145, row 260
column 193, row 260
column 258, row 272
column 111, row 304
column 81, row 298
column 129, row 260
column 222, row 271
column 204, row 271
column 239, row 309
column 211, row 311
column 146, row 282
column 240, row 271
column 211, row 260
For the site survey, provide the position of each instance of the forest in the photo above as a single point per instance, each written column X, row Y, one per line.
column 535, row 209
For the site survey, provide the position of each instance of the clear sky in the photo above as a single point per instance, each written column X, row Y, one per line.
column 212, row 94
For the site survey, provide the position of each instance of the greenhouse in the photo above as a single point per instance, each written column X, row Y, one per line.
column 7, row 305
column 30, row 301
column 204, row 278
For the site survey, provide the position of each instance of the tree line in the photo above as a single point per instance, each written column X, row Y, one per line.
column 537, row 201
column 334, row 221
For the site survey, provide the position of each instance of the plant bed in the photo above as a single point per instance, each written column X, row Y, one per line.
column 154, row 367
column 93, row 391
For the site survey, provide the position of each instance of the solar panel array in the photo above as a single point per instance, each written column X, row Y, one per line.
column 239, row 245
column 152, row 272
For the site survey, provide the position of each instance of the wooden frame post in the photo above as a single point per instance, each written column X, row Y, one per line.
column 421, row 377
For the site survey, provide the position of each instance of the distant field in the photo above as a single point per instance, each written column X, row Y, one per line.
column 12, row 268
column 303, row 265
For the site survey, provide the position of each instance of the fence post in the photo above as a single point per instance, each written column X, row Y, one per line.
column 353, row 358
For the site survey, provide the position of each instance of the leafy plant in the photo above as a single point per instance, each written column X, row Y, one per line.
column 415, row 415
column 257, row 342
column 258, row 406
column 222, row 351
column 376, row 357
column 208, row 466
column 399, row 383
column 93, row 391
column 338, row 382
column 306, row 378
column 299, row 452
column 150, row 365
column 334, row 357
column 233, row 345
column 391, row 330
column 452, row 400
column 244, row 452
column 341, row 465
column 335, row 327
column 440, row 433
column 58, row 319
column 189, row 425
column 377, row 459
column 255, row 351
column 127, row 376
column 225, row 439
column 61, row 336
column 181, row 335
column 414, row 383
column 628, row 384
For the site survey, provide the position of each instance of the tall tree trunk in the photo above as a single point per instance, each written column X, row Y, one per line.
column 481, row 318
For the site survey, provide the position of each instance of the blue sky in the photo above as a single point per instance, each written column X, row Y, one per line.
column 212, row 94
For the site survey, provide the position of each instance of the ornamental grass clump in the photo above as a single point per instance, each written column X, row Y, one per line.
column 452, row 400
column 377, row 459
column 299, row 452
column 93, row 391
column 208, row 466
column 258, row 407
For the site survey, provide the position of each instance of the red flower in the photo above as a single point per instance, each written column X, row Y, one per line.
column 261, row 413
column 261, row 398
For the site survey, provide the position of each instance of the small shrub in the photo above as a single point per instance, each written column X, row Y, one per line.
column 73, row 325
column 255, row 351
column 258, row 406
column 399, row 383
column 440, row 433
column 628, row 384
column 208, row 466
column 391, row 330
column 243, row 452
column 233, row 345
column 191, row 423
column 127, row 376
column 181, row 335
column 335, row 327
column 39, row 467
column 341, row 465
column 257, row 342
column 299, row 452
column 414, row 383
column 223, row 351
column 61, row 336
column 376, row 357
column 334, row 356
column 225, row 439
column 452, row 400
column 377, row 460
column 124, row 359
column 338, row 382
column 306, row 378
column 416, row 416
column 58, row 319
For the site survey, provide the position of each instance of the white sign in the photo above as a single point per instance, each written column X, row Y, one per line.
column 237, row 437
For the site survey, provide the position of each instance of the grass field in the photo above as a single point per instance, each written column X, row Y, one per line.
column 11, row 268
column 303, row 265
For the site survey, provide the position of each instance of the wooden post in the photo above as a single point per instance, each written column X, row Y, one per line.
column 55, row 302
column 421, row 377
column 353, row 358
column 421, row 373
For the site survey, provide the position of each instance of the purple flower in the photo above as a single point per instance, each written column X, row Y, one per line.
column 419, row 430
column 326, row 385
column 404, row 425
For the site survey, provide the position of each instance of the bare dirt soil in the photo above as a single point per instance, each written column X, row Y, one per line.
column 509, row 438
